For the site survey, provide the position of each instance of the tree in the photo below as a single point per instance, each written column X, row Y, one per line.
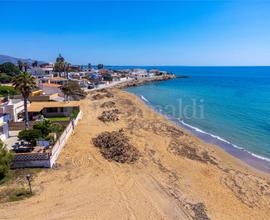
column 4, row 78
column 25, row 83
column 25, row 66
column 20, row 65
column 9, row 69
column 5, row 161
column 35, row 64
column 67, row 68
column 100, row 66
column 72, row 89
column 59, row 65
column 44, row 126
column 7, row 90
column 56, row 128
column 89, row 66
column 31, row 136
column 107, row 77
column 41, row 130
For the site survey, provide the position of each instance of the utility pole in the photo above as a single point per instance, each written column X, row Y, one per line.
column 28, row 178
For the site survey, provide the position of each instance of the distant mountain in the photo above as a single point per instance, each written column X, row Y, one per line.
column 5, row 58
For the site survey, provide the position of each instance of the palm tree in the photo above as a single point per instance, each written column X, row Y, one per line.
column 67, row 67
column 59, row 65
column 35, row 63
column 25, row 83
column 25, row 65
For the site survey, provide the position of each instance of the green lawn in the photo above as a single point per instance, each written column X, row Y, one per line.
column 59, row 119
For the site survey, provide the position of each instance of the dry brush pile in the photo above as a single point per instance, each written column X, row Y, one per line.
column 115, row 146
column 189, row 150
column 110, row 115
column 108, row 104
column 104, row 94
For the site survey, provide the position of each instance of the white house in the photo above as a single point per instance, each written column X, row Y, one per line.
column 138, row 73
column 14, row 108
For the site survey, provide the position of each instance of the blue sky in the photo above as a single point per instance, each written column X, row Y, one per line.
column 138, row 32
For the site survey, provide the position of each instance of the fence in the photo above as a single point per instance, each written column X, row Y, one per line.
column 46, row 160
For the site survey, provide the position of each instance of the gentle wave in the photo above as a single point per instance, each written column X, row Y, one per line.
column 212, row 135
column 225, row 141
column 144, row 99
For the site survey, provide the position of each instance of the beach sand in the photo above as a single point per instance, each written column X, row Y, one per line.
column 177, row 176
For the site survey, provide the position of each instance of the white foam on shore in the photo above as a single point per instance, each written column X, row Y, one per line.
column 259, row 156
column 225, row 141
column 212, row 135
column 144, row 99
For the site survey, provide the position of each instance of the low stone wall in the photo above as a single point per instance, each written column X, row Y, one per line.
column 46, row 160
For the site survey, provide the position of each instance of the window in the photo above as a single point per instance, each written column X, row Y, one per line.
column 52, row 110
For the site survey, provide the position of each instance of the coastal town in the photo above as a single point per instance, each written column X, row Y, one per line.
column 134, row 110
column 71, row 137
column 52, row 103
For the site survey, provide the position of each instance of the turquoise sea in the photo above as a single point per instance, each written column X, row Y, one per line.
column 227, row 106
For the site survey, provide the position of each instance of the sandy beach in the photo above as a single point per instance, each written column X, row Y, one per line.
column 176, row 177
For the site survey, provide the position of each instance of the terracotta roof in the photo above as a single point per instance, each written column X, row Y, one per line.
column 50, row 84
column 57, row 78
column 38, row 106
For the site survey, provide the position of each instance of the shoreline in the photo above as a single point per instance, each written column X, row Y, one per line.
column 178, row 176
column 248, row 158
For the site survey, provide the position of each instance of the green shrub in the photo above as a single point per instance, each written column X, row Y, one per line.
column 5, row 160
column 4, row 78
column 44, row 126
column 107, row 77
column 19, row 194
column 31, row 136
column 41, row 130
column 56, row 128
column 12, row 195
column 74, row 113
column 7, row 90
column 9, row 68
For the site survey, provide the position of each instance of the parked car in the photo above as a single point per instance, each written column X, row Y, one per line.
column 91, row 86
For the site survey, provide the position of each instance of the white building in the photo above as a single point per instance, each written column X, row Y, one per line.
column 4, row 132
column 14, row 108
column 138, row 73
column 42, row 70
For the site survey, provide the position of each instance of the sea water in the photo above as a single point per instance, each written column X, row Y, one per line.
column 228, row 106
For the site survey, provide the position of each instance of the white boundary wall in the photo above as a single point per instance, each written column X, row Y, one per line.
column 58, row 146
column 56, row 150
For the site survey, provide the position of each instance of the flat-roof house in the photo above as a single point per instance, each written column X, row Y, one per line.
column 55, row 97
column 14, row 108
column 52, row 109
column 138, row 73
column 50, row 88
column 54, row 80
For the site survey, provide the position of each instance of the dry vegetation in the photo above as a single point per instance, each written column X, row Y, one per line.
column 110, row 115
column 104, row 94
column 115, row 146
column 108, row 104
column 173, row 175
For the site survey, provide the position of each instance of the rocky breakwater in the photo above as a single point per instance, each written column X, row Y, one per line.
column 141, row 81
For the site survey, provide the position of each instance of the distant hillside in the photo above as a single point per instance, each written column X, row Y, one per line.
column 5, row 58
